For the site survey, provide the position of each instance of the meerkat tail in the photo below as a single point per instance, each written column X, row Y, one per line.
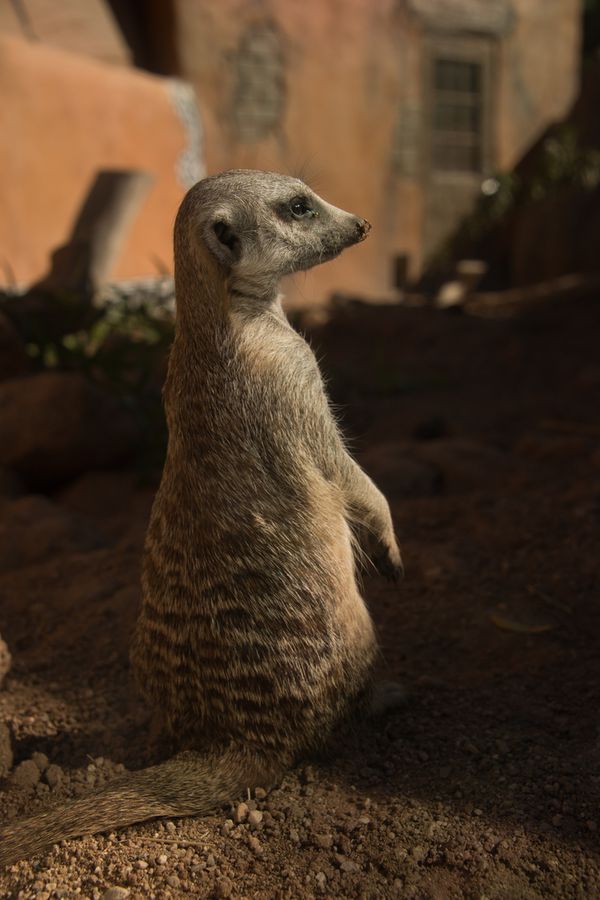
column 189, row 784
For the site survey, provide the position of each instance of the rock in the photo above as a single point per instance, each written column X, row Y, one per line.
column 400, row 470
column 32, row 528
column 5, row 660
column 56, row 425
column 6, row 752
column 25, row 776
column 41, row 761
column 99, row 493
column 345, row 864
column 255, row 817
column 255, row 845
column 241, row 813
column 465, row 465
column 424, row 468
column 10, row 483
column 13, row 358
column 53, row 775
column 224, row 888
column 323, row 841
column 115, row 893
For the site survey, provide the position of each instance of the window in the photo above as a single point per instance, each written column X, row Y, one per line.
column 457, row 128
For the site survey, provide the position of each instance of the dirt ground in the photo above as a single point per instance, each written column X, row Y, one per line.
column 484, row 435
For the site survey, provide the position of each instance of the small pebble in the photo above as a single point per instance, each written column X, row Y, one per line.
column 418, row 853
column 241, row 813
column 227, row 827
column 255, row 818
column 223, row 888
column 255, row 845
column 173, row 880
column 26, row 775
column 141, row 864
column 170, row 826
column 324, row 841
column 41, row 761
column 115, row 893
column 260, row 793
column 345, row 864
column 163, row 859
column 53, row 775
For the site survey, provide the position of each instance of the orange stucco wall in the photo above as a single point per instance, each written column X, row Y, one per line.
column 63, row 117
column 350, row 68
column 347, row 67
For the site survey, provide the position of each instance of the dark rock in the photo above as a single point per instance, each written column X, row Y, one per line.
column 465, row 465
column 399, row 471
column 32, row 528
column 13, row 358
column 10, row 483
column 56, row 425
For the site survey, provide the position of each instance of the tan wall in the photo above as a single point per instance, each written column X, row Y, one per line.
column 62, row 118
column 345, row 69
column 79, row 26
column 538, row 73
column 354, row 80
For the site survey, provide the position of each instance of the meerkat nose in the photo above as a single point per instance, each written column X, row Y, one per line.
column 363, row 227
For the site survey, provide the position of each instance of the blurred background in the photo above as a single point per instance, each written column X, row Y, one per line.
column 411, row 113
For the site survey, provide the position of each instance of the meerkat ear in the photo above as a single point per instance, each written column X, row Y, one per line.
column 222, row 239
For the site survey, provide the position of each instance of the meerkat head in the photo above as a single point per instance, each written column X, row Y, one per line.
column 260, row 226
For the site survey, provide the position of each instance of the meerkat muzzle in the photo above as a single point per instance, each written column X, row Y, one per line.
column 363, row 227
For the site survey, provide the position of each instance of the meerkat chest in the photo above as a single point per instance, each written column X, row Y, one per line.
column 270, row 349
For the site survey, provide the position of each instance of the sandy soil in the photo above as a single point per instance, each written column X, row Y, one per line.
column 484, row 435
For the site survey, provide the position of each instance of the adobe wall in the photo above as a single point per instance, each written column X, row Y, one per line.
column 339, row 98
column 63, row 117
column 343, row 71
column 346, row 104
column 538, row 73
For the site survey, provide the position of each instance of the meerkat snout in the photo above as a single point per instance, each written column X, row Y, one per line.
column 363, row 228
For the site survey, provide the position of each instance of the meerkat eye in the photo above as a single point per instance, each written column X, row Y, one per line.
column 300, row 207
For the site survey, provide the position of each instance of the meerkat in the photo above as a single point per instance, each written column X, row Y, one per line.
column 253, row 640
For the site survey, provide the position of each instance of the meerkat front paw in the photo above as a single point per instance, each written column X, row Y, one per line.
column 387, row 559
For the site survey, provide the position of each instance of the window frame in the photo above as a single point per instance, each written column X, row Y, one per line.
column 478, row 51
